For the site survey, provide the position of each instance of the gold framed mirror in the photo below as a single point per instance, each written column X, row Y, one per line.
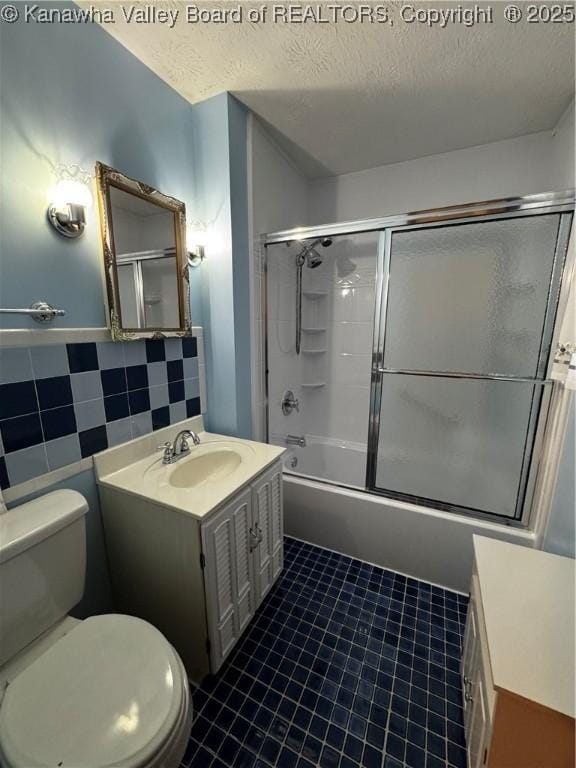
column 145, row 260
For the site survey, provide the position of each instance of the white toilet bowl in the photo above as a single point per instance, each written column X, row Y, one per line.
column 106, row 692
column 111, row 692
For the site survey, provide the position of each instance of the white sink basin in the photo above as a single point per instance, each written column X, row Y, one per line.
column 196, row 484
column 203, row 467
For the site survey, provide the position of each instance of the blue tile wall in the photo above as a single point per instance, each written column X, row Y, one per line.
column 59, row 404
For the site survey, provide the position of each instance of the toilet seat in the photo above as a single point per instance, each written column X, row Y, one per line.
column 110, row 693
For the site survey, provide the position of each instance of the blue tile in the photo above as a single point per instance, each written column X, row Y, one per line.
column 175, row 370
column 54, row 392
column 82, row 357
column 315, row 630
column 17, row 399
column 176, row 391
column 161, row 418
column 4, row 482
column 137, row 377
column 21, row 432
column 92, row 441
column 113, row 381
column 139, row 401
column 193, row 407
column 58, row 422
column 189, row 347
column 155, row 350
column 116, row 407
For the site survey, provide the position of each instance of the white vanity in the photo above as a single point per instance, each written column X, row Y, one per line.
column 518, row 658
column 193, row 546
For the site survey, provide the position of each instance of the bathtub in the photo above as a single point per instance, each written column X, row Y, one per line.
column 420, row 542
column 324, row 458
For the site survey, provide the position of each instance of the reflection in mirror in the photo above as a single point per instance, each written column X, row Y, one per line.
column 146, row 270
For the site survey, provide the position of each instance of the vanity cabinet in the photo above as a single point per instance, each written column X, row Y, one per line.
column 518, row 659
column 199, row 580
column 243, row 556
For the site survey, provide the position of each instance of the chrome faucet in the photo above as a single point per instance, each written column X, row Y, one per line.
column 179, row 448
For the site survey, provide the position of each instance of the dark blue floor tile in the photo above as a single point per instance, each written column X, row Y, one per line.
column 340, row 668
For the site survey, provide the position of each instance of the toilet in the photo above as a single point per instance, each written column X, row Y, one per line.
column 106, row 691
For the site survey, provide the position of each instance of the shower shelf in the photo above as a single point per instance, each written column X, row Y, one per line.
column 315, row 294
column 313, row 351
column 313, row 385
column 314, row 330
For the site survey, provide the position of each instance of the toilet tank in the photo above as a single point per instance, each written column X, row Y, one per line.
column 42, row 566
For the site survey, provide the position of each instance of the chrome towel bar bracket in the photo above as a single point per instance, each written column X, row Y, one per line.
column 40, row 311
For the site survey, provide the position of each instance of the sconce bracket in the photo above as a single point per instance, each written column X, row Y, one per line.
column 70, row 223
column 196, row 256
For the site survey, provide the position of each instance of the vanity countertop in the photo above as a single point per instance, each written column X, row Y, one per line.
column 136, row 468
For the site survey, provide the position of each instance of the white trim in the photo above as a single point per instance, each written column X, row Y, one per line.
column 33, row 337
column 17, row 492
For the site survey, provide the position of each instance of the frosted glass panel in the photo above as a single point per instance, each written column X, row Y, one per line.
column 457, row 441
column 470, row 297
column 160, row 285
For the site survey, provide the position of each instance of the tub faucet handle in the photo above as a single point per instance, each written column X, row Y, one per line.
column 289, row 403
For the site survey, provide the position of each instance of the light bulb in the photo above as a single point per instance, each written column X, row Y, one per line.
column 69, row 192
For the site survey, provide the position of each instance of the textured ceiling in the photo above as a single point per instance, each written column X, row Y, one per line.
column 343, row 97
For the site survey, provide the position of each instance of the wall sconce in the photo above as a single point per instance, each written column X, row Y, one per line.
column 68, row 202
column 196, row 239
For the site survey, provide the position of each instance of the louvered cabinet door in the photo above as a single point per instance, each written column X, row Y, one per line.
column 268, row 526
column 227, row 576
column 245, row 600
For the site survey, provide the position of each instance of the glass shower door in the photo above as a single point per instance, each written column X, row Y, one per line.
column 459, row 375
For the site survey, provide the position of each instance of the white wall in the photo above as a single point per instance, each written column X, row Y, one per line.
column 278, row 194
column 540, row 162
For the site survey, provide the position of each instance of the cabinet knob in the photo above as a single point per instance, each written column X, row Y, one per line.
column 469, row 697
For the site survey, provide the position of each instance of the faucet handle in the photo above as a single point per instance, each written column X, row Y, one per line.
column 168, row 449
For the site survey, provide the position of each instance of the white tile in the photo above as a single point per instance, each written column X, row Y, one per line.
column 86, row 386
column 15, row 365
column 26, row 464
column 49, row 361
column 110, row 354
column 119, row 432
column 191, row 388
column 177, row 412
column 89, row 414
column 141, row 424
column 190, row 367
column 157, row 374
column 159, row 396
column 63, row 451
column 173, row 349
column 203, row 389
column 134, row 352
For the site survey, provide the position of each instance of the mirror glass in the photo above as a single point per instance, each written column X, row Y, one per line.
column 146, row 267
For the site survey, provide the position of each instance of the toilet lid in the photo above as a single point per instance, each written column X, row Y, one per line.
column 107, row 694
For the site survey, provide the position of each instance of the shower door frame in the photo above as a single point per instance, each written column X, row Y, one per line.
column 562, row 273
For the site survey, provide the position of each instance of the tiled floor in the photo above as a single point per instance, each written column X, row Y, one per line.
column 344, row 665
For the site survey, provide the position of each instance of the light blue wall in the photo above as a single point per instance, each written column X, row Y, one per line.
column 220, row 152
column 71, row 94
column 561, row 534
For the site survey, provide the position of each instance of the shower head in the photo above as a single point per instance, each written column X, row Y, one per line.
column 310, row 256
